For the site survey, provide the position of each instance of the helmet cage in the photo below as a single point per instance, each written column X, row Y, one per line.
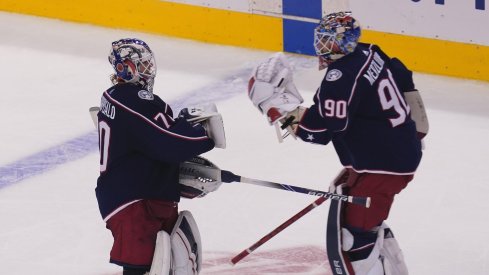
column 326, row 44
column 336, row 36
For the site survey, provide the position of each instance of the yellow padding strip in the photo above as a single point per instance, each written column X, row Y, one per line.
column 155, row 16
column 247, row 30
column 434, row 56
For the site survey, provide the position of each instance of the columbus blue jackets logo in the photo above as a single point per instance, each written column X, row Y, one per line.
column 143, row 94
column 333, row 75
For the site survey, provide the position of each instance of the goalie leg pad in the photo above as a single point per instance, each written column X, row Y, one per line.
column 374, row 252
column 162, row 257
column 363, row 250
column 394, row 263
column 186, row 246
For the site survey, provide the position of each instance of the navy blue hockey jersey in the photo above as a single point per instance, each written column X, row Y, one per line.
column 360, row 107
column 141, row 146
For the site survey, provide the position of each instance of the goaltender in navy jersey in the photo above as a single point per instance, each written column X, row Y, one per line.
column 360, row 108
column 141, row 146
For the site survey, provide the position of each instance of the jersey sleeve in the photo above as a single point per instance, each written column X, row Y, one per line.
column 178, row 143
column 329, row 113
column 312, row 128
column 402, row 75
column 154, row 132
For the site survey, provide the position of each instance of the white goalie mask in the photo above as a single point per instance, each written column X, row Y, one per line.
column 133, row 61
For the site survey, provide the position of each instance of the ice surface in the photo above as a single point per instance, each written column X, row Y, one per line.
column 53, row 71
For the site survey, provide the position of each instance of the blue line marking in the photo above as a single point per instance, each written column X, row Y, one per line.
column 48, row 159
column 83, row 145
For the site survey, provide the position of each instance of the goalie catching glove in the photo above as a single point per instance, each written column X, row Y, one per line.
column 198, row 177
column 273, row 92
column 208, row 116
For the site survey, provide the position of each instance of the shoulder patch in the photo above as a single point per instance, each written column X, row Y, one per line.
column 143, row 94
column 333, row 75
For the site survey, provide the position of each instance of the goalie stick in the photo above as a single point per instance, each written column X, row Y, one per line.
column 93, row 114
column 201, row 166
column 336, row 259
column 227, row 176
column 340, row 177
column 277, row 230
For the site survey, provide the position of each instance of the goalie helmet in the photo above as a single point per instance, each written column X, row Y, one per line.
column 133, row 62
column 336, row 36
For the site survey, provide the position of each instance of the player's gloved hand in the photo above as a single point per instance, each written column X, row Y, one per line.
column 293, row 118
column 208, row 116
column 198, row 177
column 184, row 114
column 193, row 114
column 272, row 90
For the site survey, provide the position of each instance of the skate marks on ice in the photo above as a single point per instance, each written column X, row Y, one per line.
column 309, row 260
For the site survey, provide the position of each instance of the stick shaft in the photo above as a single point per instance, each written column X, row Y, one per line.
column 277, row 230
column 355, row 200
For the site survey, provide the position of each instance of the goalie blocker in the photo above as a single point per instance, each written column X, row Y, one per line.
column 211, row 120
column 181, row 252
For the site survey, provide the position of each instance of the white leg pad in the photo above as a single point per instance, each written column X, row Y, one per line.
column 371, row 265
column 394, row 263
column 376, row 267
column 162, row 255
column 186, row 246
column 386, row 257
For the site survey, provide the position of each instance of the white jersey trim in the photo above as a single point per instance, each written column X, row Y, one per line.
column 313, row 131
column 119, row 209
column 380, row 171
column 320, row 106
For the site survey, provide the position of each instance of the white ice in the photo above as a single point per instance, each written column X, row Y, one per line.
column 53, row 71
